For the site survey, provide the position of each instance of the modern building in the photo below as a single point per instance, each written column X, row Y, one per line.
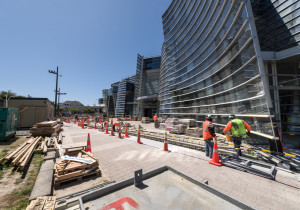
column 108, row 102
column 233, row 57
column 71, row 107
column 146, row 86
column 125, row 97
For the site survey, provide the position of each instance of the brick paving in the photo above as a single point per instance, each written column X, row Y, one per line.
column 119, row 158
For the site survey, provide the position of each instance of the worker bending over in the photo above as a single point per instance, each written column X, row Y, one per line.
column 208, row 134
column 237, row 128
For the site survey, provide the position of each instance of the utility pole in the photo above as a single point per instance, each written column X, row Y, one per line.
column 59, row 93
column 55, row 103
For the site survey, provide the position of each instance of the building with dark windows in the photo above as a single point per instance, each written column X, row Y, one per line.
column 146, row 86
column 125, row 97
column 237, row 57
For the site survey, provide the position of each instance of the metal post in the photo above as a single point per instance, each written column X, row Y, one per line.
column 55, row 103
column 55, row 111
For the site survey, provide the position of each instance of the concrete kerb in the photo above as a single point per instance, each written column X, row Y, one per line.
column 44, row 181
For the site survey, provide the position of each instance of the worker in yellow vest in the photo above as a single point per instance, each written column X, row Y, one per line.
column 208, row 134
column 238, row 131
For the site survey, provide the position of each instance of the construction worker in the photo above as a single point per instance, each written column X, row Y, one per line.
column 238, row 131
column 155, row 118
column 208, row 134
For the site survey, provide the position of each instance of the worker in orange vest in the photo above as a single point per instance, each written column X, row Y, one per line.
column 239, row 130
column 208, row 134
column 155, row 118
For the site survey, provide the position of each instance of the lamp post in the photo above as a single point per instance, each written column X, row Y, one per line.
column 55, row 103
column 6, row 100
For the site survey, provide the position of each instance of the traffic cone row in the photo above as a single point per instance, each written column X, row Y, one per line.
column 126, row 133
column 139, row 136
column 120, row 134
column 166, row 143
column 106, row 131
column 88, row 146
column 215, row 159
column 112, row 132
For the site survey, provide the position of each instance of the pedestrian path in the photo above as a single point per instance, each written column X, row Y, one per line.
column 119, row 158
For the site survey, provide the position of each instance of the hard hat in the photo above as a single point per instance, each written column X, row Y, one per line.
column 231, row 116
column 208, row 117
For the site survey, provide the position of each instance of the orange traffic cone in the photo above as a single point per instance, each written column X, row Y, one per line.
column 88, row 145
column 126, row 133
column 139, row 136
column 215, row 158
column 166, row 143
column 82, row 125
column 106, row 131
column 120, row 134
column 95, row 126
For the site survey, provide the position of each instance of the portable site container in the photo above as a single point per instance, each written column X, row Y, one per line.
column 8, row 122
column 31, row 110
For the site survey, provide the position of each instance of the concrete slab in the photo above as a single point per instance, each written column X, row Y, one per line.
column 163, row 190
column 48, row 165
column 50, row 155
column 43, row 183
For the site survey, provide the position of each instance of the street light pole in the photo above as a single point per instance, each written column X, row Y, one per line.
column 55, row 103
column 6, row 100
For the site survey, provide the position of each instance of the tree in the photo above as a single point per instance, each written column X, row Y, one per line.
column 74, row 110
column 9, row 94
column 89, row 110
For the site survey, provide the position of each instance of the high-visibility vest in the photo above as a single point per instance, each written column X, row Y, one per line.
column 206, row 133
column 238, row 128
column 155, row 117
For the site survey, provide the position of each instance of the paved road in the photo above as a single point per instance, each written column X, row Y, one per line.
column 119, row 158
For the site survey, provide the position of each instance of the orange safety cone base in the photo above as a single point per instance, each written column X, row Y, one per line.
column 215, row 163
column 165, row 150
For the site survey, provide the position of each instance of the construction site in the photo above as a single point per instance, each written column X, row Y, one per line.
column 106, row 163
column 206, row 117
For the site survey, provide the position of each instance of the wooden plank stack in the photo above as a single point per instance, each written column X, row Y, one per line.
column 46, row 128
column 22, row 154
column 70, row 170
column 42, row 203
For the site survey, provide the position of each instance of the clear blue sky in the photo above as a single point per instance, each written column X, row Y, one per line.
column 94, row 43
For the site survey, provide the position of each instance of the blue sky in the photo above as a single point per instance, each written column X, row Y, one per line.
column 94, row 43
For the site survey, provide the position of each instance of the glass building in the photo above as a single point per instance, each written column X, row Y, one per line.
column 237, row 57
column 125, row 97
column 146, row 87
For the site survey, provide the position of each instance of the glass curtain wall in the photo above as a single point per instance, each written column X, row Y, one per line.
column 210, row 65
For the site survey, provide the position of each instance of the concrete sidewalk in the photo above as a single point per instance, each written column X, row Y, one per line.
column 119, row 158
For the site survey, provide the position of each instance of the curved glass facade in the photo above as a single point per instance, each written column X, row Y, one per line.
column 210, row 64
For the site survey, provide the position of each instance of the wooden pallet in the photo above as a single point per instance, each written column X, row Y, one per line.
column 42, row 203
column 57, row 183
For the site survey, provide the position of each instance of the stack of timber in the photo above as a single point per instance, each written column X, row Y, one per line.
column 42, row 203
column 22, row 154
column 69, row 168
column 46, row 128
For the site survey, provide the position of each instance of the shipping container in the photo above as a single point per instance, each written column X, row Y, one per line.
column 8, row 122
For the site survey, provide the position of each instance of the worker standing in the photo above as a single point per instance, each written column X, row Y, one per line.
column 238, row 131
column 208, row 134
column 155, row 118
